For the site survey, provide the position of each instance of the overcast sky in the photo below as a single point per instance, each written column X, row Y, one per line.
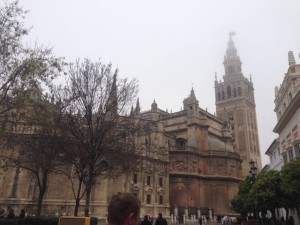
column 171, row 46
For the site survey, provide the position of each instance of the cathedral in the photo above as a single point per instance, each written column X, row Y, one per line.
column 191, row 161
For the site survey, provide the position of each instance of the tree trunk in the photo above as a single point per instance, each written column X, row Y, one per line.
column 40, row 202
column 87, row 200
column 88, row 186
column 273, row 218
column 263, row 218
column 42, row 192
column 287, row 212
column 77, row 199
column 77, row 204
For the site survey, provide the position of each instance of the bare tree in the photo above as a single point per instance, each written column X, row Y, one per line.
column 32, row 140
column 21, row 65
column 95, row 106
column 75, row 157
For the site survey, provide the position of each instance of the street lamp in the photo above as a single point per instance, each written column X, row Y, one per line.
column 253, row 173
column 253, row 170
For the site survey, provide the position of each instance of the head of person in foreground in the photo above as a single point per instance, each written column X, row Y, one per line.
column 124, row 209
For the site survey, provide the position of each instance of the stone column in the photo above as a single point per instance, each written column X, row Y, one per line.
column 186, row 212
column 176, row 210
column 210, row 213
column 198, row 213
column 13, row 193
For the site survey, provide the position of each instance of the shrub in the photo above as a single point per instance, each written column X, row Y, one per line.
column 94, row 220
column 38, row 221
column 7, row 222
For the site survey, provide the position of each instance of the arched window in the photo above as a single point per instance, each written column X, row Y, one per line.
column 234, row 92
column 223, row 95
column 181, row 143
column 228, row 92
column 239, row 91
column 219, row 96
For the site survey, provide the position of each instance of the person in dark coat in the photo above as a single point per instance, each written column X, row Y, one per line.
column 200, row 220
column 10, row 213
column 290, row 221
column 2, row 213
column 160, row 220
column 22, row 214
column 146, row 221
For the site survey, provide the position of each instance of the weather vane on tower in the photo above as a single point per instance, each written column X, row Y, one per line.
column 231, row 33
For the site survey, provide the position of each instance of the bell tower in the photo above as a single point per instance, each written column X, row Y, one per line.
column 235, row 101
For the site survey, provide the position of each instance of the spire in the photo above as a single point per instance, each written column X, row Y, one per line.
column 137, row 107
column 291, row 58
column 216, row 78
column 232, row 62
column 131, row 111
column 153, row 106
column 192, row 95
column 231, row 49
column 114, row 84
column 113, row 96
column 191, row 100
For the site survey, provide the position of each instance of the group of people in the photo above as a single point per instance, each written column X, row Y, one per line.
column 226, row 220
column 149, row 221
column 289, row 221
column 124, row 209
column 10, row 213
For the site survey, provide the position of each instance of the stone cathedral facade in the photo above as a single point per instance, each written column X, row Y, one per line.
column 204, row 169
column 235, row 102
column 191, row 161
column 187, row 165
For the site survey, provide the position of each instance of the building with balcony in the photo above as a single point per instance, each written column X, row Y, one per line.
column 275, row 156
column 287, row 108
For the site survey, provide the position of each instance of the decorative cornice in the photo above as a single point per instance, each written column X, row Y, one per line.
column 288, row 114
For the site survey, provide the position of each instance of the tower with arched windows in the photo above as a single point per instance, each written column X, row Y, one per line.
column 235, row 102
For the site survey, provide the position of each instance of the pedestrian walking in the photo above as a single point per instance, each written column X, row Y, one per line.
column 282, row 221
column 239, row 220
column 200, row 220
column 146, row 221
column 2, row 213
column 10, row 213
column 290, row 221
column 160, row 220
column 22, row 214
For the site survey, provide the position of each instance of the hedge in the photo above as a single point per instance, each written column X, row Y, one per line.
column 38, row 221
